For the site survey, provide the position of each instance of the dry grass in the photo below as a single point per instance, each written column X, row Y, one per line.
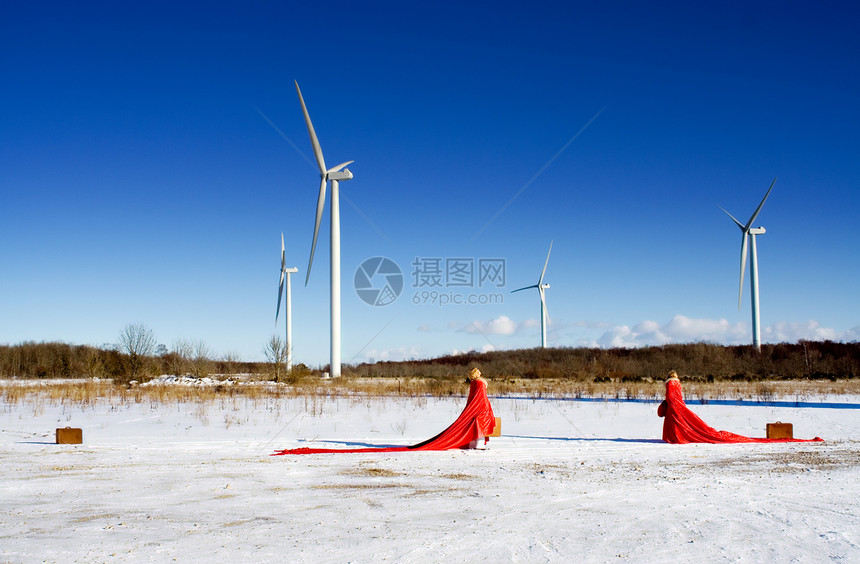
column 459, row 476
column 371, row 472
column 357, row 486
column 86, row 393
column 794, row 461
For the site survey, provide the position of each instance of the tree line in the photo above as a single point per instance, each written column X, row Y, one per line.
column 137, row 357
column 696, row 361
column 61, row 360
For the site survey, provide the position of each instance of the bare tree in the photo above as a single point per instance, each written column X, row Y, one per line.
column 93, row 362
column 138, row 342
column 178, row 359
column 276, row 354
column 229, row 363
column 201, row 359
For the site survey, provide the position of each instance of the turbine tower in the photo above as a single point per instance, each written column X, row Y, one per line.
column 335, row 175
column 541, row 287
column 285, row 274
column 748, row 234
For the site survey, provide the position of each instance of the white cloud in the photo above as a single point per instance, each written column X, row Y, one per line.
column 684, row 329
column 591, row 324
column 621, row 336
column 485, row 348
column 502, row 325
column 681, row 329
column 398, row 353
column 785, row 332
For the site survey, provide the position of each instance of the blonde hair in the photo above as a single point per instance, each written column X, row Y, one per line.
column 673, row 375
column 474, row 374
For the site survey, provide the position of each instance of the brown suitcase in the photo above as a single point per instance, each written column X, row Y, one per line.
column 497, row 430
column 780, row 430
column 70, row 436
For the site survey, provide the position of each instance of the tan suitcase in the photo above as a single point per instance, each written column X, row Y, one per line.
column 497, row 430
column 780, row 430
column 70, row 436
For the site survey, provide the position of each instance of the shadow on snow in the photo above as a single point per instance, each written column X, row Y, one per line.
column 688, row 401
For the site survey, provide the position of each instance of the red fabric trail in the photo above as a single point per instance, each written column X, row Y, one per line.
column 683, row 426
column 474, row 423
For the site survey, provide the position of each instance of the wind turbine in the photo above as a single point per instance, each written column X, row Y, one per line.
column 335, row 175
column 285, row 274
column 748, row 233
column 541, row 287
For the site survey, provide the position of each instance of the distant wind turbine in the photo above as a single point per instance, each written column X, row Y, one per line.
column 748, row 233
column 334, row 175
column 285, row 275
column 541, row 287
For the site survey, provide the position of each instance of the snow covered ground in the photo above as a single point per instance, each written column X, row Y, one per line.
column 569, row 481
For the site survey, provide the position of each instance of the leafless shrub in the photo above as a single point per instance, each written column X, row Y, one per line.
column 229, row 363
column 201, row 360
column 137, row 341
column 276, row 353
column 177, row 361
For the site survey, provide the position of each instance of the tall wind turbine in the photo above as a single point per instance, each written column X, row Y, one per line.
column 541, row 287
column 285, row 275
column 748, row 234
column 335, row 175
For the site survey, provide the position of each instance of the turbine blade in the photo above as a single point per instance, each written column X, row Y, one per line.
column 738, row 223
column 758, row 209
column 320, row 205
column 340, row 166
column 280, row 293
column 281, row 282
column 542, row 272
column 543, row 304
column 525, row 288
column 744, row 242
column 314, row 141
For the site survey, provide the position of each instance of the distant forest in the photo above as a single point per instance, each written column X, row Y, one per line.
column 698, row 362
column 61, row 360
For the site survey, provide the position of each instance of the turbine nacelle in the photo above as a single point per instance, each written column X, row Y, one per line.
column 285, row 273
column 541, row 286
column 334, row 174
column 340, row 175
column 746, row 231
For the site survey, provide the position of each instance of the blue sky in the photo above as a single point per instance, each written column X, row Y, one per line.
column 141, row 181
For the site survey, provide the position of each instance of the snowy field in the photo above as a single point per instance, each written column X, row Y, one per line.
column 569, row 481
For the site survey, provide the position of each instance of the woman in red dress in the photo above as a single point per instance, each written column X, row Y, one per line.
column 476, row 422
column 683, row 426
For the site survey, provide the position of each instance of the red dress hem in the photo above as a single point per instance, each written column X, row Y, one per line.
column 681, row 426
column 474, row 423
